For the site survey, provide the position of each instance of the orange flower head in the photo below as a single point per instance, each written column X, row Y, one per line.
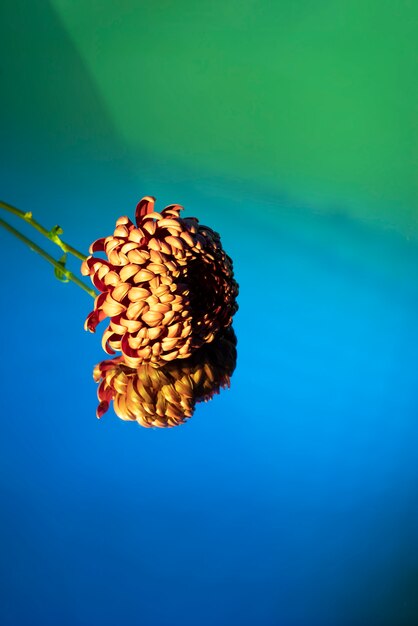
column 167, row 286
column 166, row 396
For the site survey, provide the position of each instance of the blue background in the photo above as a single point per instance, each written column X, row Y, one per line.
column 290, row 499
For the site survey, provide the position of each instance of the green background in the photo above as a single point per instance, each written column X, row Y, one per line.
column 314, row 101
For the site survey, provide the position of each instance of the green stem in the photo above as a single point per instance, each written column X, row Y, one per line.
column 52, row 234
column 33, row 246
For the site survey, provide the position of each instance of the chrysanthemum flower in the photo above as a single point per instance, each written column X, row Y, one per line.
column 166, row 285
column 166, row 396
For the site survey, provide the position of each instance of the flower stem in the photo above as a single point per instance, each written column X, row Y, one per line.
column 33, row 246
column 52, row 235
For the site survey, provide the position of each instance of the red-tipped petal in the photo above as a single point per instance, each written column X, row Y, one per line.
column 108, row 334
column 126, row 348
column 99, row 301
column 102, row 409
column 98, row 283
column 97, row 246
column 93, row 319
column 91, row 261
column 144, row 206
column 172, row 209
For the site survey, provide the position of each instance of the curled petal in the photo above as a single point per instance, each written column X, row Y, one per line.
column 126, row 348
column 151, row 216
column 102, row 408
column 153, row 318
column 97, row 246
column 167, row 286
column 176, row 242
column 93, row 263
column 120, row 291
column 111, row 307
column 124, row 220
column 107, row 335
column 172, row 209
column 144, row 206
column 167, row 396
column 93, row 319
column 144, row 275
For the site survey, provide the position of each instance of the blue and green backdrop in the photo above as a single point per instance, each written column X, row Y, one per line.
column 289, row 127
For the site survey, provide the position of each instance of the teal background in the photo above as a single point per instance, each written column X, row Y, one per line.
column 289, row 127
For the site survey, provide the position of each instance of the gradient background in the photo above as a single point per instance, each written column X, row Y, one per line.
column 288, row 127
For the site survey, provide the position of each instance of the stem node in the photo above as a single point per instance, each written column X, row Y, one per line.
column 52, row 235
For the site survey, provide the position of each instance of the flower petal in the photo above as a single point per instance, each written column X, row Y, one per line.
column 97, row 246
column 144, row 206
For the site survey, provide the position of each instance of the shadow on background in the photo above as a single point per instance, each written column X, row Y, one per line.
column 55, row 131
